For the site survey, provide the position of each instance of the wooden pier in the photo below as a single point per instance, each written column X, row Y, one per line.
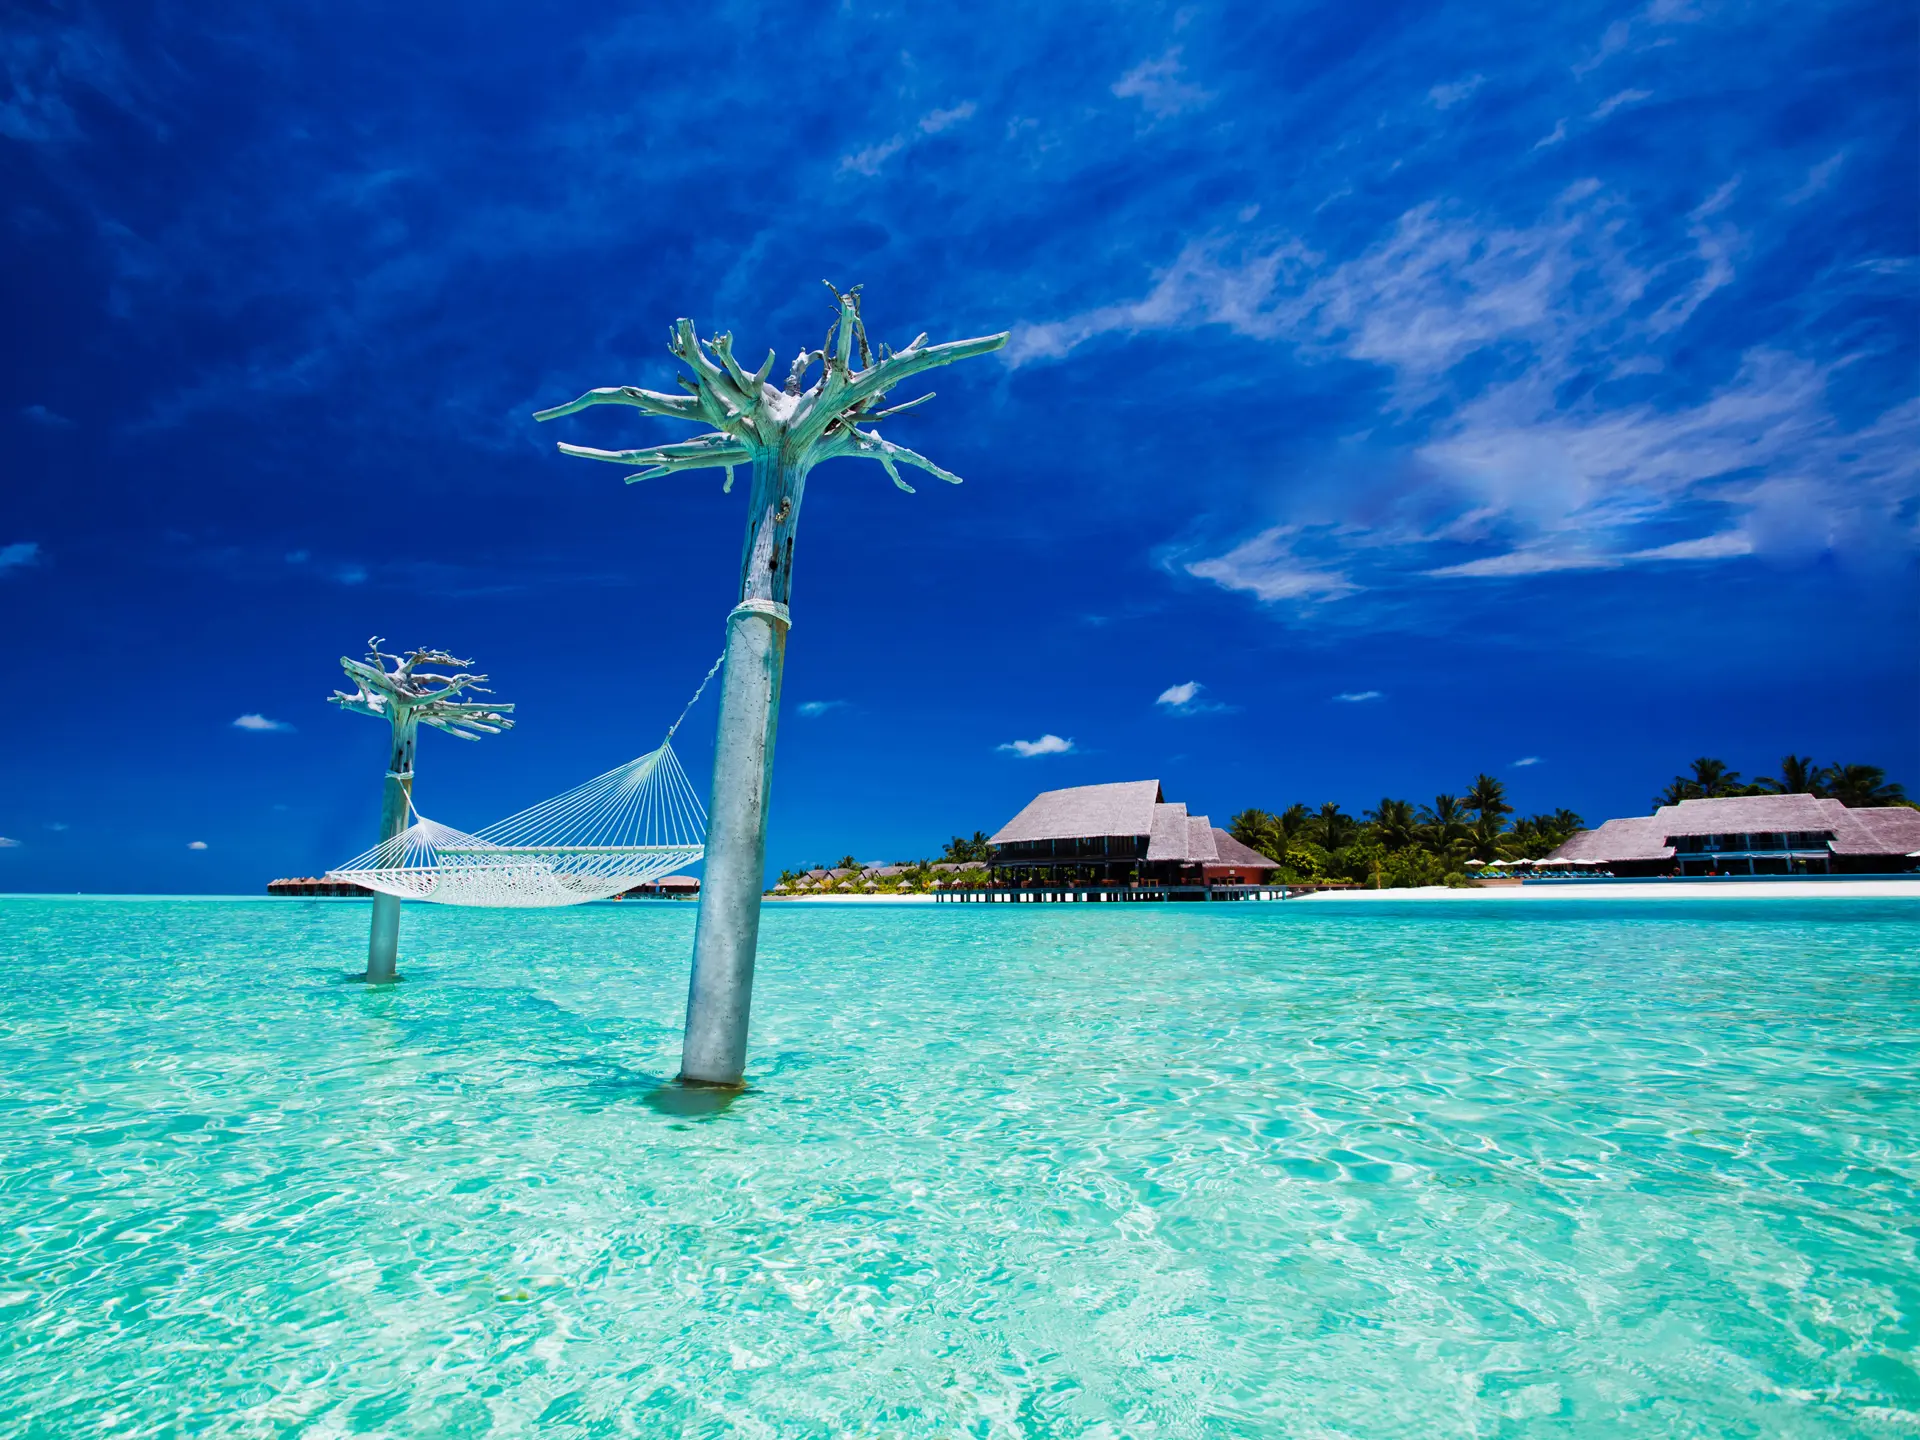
column 309, row 887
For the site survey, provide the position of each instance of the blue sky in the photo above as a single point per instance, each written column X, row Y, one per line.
column 1430, row 389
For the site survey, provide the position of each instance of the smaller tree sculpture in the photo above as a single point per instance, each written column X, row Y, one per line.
column 420, row 689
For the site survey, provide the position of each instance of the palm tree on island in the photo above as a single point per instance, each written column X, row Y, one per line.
column 1396, row 843
column 1855, row 786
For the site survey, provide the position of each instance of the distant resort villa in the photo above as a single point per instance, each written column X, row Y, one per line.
column 1120, row 841
column 1119, row 834
column 1750, row 835
column 1126, row 841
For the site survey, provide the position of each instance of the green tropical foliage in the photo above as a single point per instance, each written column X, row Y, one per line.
column 961, row 851
column 1394, row 823
column 1331, row 828
column 1487, row 797
column 1851, row 785
column 1258, row 830
column 1396, row 844
column 1798, row 776
column 1861, row 785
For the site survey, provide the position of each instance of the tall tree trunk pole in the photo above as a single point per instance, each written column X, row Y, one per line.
column 782, row 433
column 383, row 947
column 720, row 994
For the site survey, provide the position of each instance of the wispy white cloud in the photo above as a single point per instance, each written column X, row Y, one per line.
column 1355, row 697
column 57, row 825
column 1723, row 546
column 1157, row 85
column 813, row 708
column 934, row 121
column 1526, row 760
column 872, row 158
column 1612, row 41
column 1819, row 177
column 1445, row 97
column 196, row 845
column 1207, row 285
column 1544, row 560
column 1178, row 697
column 22, row 553
column 1270, row 567
column 1539, row 457
column 1188, row 699
column 1045, row 745
column 9, row 844
column 260, row 722
column 41, row 415
column 1619, row 36
column 869, row 160
column 1614, row 102
column 1552, row 137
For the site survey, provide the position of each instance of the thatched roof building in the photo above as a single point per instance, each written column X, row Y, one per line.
column 1115, row 832
column 1752, row 835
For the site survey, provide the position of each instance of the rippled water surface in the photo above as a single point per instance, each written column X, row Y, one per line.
column 1241, row 1170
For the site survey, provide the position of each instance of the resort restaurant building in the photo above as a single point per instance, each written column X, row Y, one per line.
column 1753, row 835
column 1119, row 834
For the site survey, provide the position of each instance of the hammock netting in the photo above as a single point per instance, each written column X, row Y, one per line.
column 625, row 828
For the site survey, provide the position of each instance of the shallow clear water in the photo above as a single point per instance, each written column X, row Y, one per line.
column 1290, row 1170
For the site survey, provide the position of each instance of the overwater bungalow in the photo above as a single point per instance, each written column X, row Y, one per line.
column 1122, row 835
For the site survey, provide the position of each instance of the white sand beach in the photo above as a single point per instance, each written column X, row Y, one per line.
column 895, row 899
column 1617, row 890
column 1643, row 890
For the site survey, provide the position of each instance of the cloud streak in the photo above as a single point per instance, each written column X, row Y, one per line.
column 260, row 723
column 870, row 160
column 1048, row 744
column 1179, row 696
column 1524, row 365
column 1158, row 86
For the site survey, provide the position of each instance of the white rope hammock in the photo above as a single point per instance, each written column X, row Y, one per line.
column 625, row 828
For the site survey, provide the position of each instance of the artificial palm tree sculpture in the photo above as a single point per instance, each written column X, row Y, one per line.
column 782, row 433
column 417, row 691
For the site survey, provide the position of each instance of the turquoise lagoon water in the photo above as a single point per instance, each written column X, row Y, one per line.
column 1253, row 1170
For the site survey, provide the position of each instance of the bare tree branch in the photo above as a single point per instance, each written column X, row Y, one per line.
column 867, row 444
column 751, row 419
column 700, row 453
column 676, row 407
column 839, row 393
column 411, row 687
column 902, row 408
